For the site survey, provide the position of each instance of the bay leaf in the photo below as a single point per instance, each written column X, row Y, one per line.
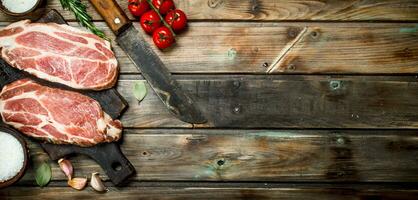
column 43, row 174
column 139, row 90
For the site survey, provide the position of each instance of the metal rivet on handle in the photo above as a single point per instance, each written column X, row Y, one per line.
column 117, row 20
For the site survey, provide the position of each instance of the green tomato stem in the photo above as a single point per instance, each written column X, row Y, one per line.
column 161, row 17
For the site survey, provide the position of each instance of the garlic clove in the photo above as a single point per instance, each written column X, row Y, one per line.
column 78, row 183
column 97, row 183
column 66, row 167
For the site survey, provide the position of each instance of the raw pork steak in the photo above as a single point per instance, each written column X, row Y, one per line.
column 59, row 53
column 55, row 115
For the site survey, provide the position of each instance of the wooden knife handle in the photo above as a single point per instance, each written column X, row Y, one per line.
column 113, row 14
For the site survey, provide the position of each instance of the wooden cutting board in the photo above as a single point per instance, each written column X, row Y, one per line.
column 107, row 155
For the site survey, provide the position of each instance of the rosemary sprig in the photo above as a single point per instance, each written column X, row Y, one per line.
column 82, row 16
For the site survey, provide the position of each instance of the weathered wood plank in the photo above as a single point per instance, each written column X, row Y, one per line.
column 246, row 47
column 282, row 193
column 285, row 101
column 273, row 10
column 262, row 155
column 367, row 48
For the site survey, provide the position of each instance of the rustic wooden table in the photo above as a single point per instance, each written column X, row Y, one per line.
column 305, row 100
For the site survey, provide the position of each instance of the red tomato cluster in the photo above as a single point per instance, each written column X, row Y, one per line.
column 152, row 23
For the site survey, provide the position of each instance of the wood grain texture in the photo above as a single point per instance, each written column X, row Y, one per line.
column 287, row 48
column 273, row 10
column 282, row 193
column 291, row 48
column 261, row 155
column 285, row 102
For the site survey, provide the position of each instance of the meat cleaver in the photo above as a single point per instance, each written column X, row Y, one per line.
column 178, row 102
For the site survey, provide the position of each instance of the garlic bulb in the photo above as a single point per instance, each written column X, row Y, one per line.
column 96, row 183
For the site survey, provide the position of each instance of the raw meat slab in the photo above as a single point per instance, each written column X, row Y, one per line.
column 107, row 155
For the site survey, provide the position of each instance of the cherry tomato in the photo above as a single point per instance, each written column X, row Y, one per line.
column 164, row 6
column 150, row 21
column 138, row 7
column 162, row 37
column 176, row 19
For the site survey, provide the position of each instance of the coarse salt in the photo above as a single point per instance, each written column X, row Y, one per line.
column 11, row 156
column 18, row 6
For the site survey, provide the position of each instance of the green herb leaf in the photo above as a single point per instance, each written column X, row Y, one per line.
column 43, row 174
column 139, row 90
column 82, row 16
